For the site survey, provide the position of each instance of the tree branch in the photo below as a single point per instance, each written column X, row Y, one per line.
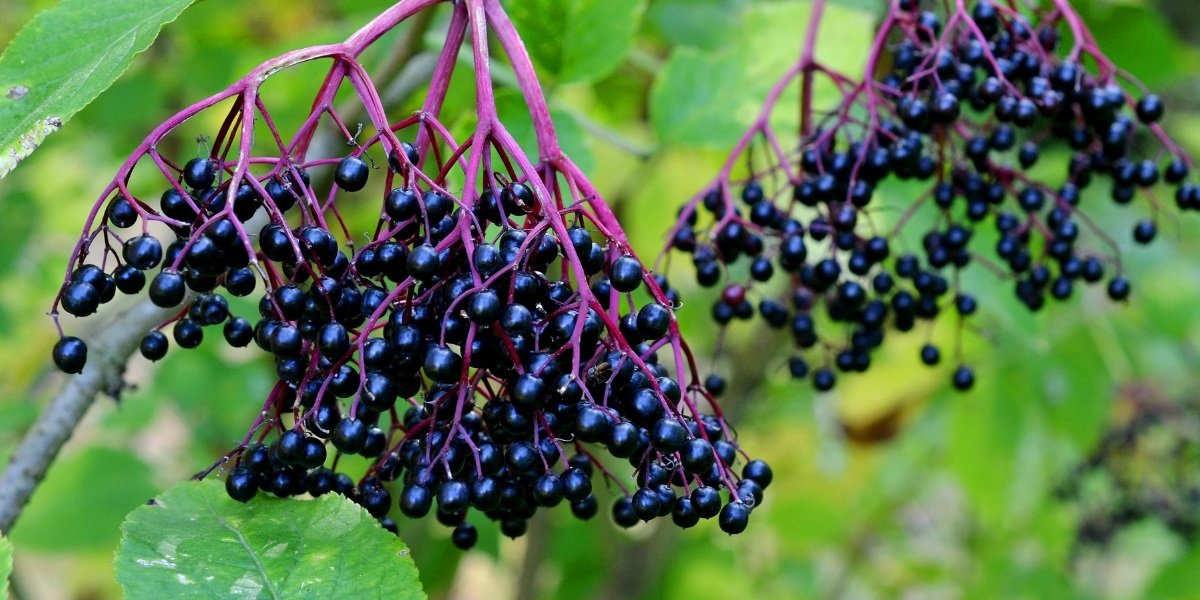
column 108, row 353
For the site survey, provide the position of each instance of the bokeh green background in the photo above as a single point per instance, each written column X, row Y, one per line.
column 890, row 486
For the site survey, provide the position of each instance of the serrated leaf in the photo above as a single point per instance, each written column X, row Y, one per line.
column 65, row 57
column 6, row 556
column 193, row 541
column 577, row 41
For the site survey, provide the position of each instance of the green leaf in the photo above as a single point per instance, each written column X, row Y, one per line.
column 1177, row 579
column 193, row 541
column 511, row 107
column 692, row 22
column 82, row 501
column 577, row 41
column 65, row 57
column 708, row 98
column 6, row 555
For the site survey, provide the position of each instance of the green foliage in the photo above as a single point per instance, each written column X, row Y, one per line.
column 512, row 110
column 65, row 57
column 707, row 97
column 577, row 41
column 958, row 502
column 82, row 501
column 6, row 551
column 193, row 541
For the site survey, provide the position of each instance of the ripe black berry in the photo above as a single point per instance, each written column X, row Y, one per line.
column 351, row 174
column 167, row 289
column 70, row 354
column 241, row 484
column 80, row 299
column 121, row 213
column 1118, row 288
column 464, row 536
column 401, row 204
column 128, row 279
column 964, row 378
column 200, row 173
column 759, row 472
column 442, row 364
column 188, row 333
column 423, row 262
column 734, row 518
column 415, row 501
column 350, row 435
column 625, row 274
column 1150, row 108
column 154, row 345
column 653, row 321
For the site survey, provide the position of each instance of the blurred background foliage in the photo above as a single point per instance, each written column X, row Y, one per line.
column 1072, row 470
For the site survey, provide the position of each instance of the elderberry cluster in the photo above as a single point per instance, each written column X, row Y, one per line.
column 481, row 350
column 947, row 142
column 1144, row 469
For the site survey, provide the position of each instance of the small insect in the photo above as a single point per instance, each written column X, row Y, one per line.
column 599, row 373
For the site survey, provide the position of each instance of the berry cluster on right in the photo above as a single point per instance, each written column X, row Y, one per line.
column 999, row 130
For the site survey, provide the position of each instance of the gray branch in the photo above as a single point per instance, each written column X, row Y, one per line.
column 108, row 351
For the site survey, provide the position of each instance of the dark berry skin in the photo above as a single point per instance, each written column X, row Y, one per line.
column 80, row 299
column 415, row 501
column 625, row 274
column 548, row 490
column 188, row 333
column 646, row 504
column 1150, row 109
column 759, row 472
column 1144, row 232
column 585, row 509
column 289, row 448
column 930, row 355
column 734, row 518
column 70, row 354
column 706, row 501
column 485, row 494
column 576, row 484
column 453, row 496
column 517, row 319
column 129, row 280
column 349, row 435
column 464, row 536
column 668, row 435
column 241, row 484
column 622, row 512
column 442, row 364
column 154, row 345
column 333, row 341
column 200, row 173
column 423, row 262
column 167, row 289
column 121, row 213
column 623, row 439
column 964, row 378
column 653, row 321
column 240, row 282
column 683, row 514
column 1118, row 288
column 485, row 307
column 351, row 174
column 824, row 379
column 401, row 204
